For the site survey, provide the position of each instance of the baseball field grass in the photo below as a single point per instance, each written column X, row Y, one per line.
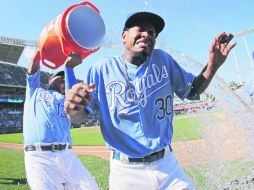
column 185, row 128
column 12, row 173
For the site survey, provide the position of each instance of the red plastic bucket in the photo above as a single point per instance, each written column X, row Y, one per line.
column 79, row 29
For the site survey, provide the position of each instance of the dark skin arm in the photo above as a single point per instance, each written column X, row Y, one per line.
column 218, row 53
column 77, row 98
column 34, row 64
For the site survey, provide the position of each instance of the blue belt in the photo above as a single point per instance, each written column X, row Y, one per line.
column 147, row 159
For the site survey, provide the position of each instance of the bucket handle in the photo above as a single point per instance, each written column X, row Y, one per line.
column 45, row 61
column 86, row 3
column 91, row 5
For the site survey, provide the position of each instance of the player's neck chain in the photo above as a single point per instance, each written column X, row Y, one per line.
column 130, row 91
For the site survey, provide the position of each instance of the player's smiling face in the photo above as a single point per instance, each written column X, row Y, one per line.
column 140, row 38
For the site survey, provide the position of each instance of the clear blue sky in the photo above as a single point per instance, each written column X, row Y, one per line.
column 190, row 24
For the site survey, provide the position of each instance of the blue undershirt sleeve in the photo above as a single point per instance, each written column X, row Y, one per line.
column 70, row 78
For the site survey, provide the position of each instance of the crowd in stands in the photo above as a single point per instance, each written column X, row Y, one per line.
column 91, row 120
column 11, row 118
column 6, row 95
column 206, row 103
column 12, row 89
column 14, row 75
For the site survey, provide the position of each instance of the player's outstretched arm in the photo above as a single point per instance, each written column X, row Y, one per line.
column 76, row 100
column 218, row 53
column 72, row 61
column 34, row 64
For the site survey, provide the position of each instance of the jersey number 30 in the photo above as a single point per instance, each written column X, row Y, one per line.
column 164, row 106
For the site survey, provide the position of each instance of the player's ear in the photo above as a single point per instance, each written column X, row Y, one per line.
column 124, row 36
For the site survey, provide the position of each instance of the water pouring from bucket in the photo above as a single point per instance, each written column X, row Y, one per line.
column 79, row 29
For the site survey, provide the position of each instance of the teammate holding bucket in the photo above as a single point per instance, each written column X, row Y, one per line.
column 49, row 160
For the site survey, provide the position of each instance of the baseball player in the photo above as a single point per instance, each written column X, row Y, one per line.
column 50, row 163
column 134, row 95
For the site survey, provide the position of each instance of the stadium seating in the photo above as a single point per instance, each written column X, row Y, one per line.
column 12, row 95
column 14, row 75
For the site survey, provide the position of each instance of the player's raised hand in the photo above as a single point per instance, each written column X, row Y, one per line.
column 220, row 49
column 34, row 64
column 73, row 60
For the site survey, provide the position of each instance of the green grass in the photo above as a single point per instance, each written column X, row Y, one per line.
column 12, row 173
column 185, row 128
column 99, row 168
column 90, row 136
column 12, row 138
column 80, row 136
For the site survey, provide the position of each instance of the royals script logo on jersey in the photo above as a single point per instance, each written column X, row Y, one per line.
column 53, row 99
column 46, row 96
column 130, row 98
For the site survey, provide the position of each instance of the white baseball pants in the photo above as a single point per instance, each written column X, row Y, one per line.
column 62, row 170
column 163, row 174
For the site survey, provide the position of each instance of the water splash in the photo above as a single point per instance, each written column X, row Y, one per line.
column 227, row 146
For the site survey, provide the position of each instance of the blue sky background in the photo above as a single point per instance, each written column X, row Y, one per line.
column 190, row 27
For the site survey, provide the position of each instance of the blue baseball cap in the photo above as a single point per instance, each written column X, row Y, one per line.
column 148, row 17
column 59, row 73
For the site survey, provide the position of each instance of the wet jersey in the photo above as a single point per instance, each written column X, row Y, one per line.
column 135, row 103
column 44, row 118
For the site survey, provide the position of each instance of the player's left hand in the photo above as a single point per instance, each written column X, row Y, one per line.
column 219, row 50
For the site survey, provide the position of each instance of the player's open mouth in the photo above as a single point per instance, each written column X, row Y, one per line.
column 143, row 43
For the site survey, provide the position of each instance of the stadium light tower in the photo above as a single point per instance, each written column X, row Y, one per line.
column 237, row 67
column 244, row 33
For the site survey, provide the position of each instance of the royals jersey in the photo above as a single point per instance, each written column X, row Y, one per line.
column 44, row 118
column 135, row 103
